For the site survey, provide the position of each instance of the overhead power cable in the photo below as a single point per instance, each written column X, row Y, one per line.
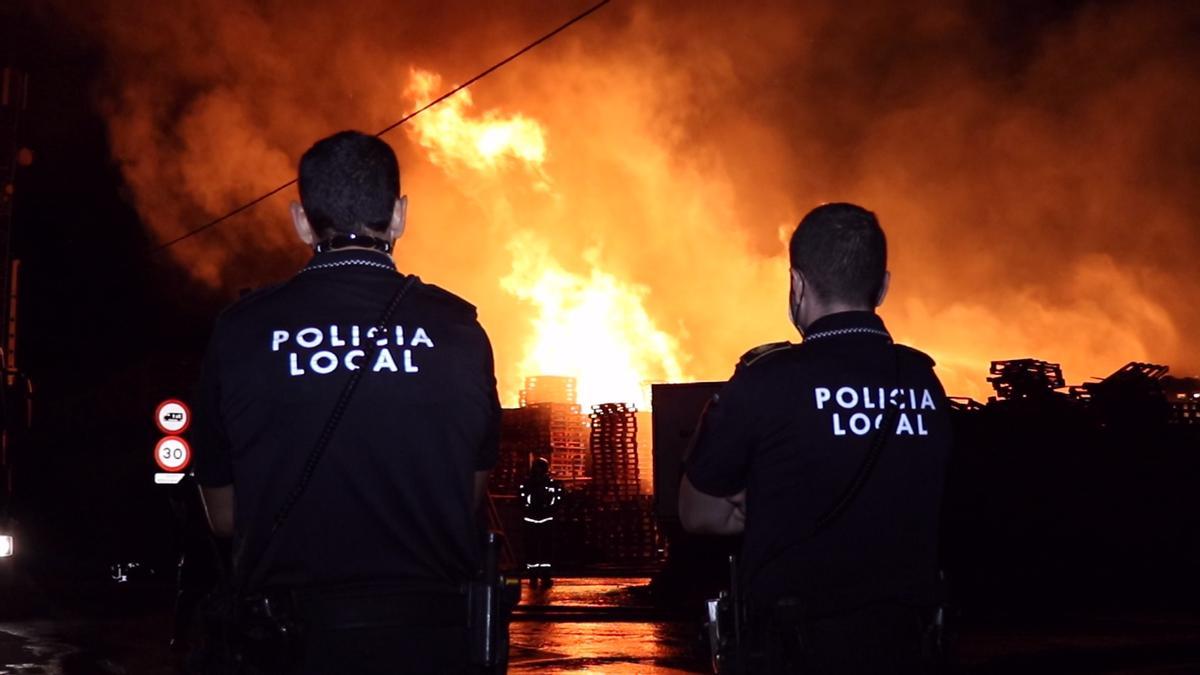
column 497, row 66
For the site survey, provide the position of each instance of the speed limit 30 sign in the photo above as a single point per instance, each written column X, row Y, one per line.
column 172, row 454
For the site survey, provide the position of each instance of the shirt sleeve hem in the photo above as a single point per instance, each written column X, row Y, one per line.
column 712, row 488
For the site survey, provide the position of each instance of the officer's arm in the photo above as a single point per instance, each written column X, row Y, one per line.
column 712, row 490
column 218, row 504
column 481, row 479
column 705, row 514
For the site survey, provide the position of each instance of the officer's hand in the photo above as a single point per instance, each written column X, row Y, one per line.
column 739, row 507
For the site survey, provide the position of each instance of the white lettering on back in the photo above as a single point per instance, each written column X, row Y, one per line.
column 323, row 363
column 294, row 366
column 837, row 425
column 421, row 337
column 313, row 340
column 385, row 360
column 382, row 340
column 867, row 399
column 927, row 401
column 822, row 394
column 847, row 397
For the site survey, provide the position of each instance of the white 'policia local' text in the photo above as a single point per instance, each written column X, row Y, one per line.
column 910, row 421
column 334, row 347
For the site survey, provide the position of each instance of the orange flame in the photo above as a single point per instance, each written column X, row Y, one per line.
column 593, row 327
column 482, row 144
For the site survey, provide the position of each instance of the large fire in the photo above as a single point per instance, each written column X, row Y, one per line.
column 592, row 327
column 613, row 200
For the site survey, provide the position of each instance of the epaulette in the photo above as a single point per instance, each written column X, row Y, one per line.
column 762, row 351
column 439, row 294
column 249, row 297
column 925, row 358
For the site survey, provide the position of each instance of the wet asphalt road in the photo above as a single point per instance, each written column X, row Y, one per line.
column 605, row 625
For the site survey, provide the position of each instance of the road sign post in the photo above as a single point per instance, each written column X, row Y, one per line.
column 172, row 453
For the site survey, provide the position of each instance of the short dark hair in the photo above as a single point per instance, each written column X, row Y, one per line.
column 841, row 250
column 348, row 182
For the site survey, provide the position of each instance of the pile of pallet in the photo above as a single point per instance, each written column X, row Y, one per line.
column 614, row 451
column 516, row 451
column 1025, row 378
column 548, row 389
column 624, row 530
column 548, row 424
column 1185, row 409
column 559, row 432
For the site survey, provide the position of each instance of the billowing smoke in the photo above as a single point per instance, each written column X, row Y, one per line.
column 1036, row 176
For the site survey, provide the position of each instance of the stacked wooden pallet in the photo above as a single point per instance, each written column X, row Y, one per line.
column 614, row 451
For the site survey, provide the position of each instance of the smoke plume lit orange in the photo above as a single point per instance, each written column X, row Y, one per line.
column 614, row 201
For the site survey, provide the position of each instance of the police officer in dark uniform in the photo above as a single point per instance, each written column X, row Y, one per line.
column 830, row 455
column 368, row 565
column 540, row 497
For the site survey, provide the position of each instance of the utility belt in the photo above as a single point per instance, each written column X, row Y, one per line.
column 741, row 635
column 747, row 640
column 265, row 631
column 787, row 638
column 347, row 608
column 270, row 627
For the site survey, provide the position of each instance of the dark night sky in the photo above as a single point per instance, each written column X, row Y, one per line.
column 106, row 329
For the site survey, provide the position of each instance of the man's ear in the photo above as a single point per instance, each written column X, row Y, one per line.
column 797, row 284
column 303, row 228
column 399, row 215
column 883, row 287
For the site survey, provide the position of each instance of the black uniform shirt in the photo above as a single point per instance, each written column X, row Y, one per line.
column 792, row 426
column 392, row 498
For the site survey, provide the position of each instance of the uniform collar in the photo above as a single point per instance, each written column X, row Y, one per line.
column 847, row 323
column 342, row 259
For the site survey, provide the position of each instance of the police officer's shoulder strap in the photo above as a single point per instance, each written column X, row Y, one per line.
column 762, row 352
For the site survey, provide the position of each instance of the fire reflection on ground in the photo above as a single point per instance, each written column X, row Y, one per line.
column 598, row 625
column 607, row 625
